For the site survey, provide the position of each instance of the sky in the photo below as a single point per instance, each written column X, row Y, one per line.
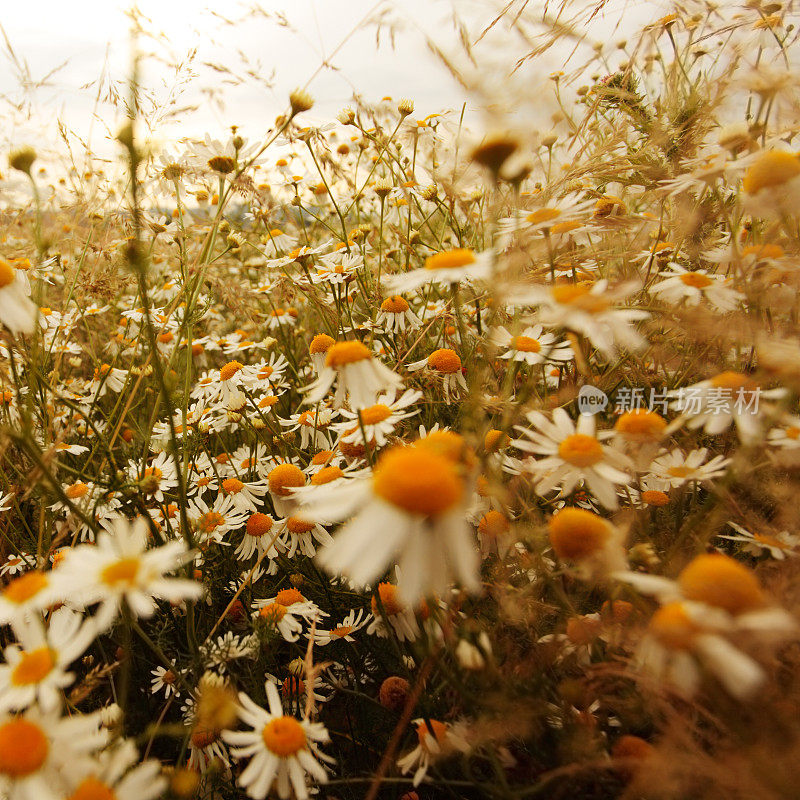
column 61, row 60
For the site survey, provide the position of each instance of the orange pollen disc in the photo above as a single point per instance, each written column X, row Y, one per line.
column 640, row 423
column 732, row 381
column 268, row 401
column 76, row 490
column 25, row 587
column 7, row 273
column 792, row 433
column 343, row 353
column 259, row 524
column 450, row 259
column 232, row 486
column 543, row 215
column 680, row 471
column 672, row 626
column 444, row 360
column 123, row 571
column 417, row 480
column 326, row 475
column 652, row 497
column 388, row 596
column 773, row 168
column 581, row 450
column 299, row 526
column 92, row 789
column 284, row 736
column 273, row 613
column 375, row 414
column 230, row 369
column 203, row 736
column 576, row 533
column 323, row 457
column 526, row 344
column 153, row 472
column 697, row 280
column 33, row 667
column 321, row 343
column 718, row 580
column 265, row 372
column 23, row 748
column 578, row 295
column 342, row 630
column 211, row 521
column 493, row 524
column 288, row 597
column 565, row 227
column 285, row 477
column 395, row 305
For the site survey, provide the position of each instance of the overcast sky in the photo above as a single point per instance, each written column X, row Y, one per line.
column 86, row 39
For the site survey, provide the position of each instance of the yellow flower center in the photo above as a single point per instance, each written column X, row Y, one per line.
column 7, row 273
column 299, row 526
column 375, row 414
column 772, row 169
column 23, row 748
column 641, row 424
column 576, row 533
column 123, row 571
column 761, row 251
column 33, row 667
column 92, row 789
column 450, row 259
column 581, row 450
column 680, row 471
column 326, row 475
column 565, row 227
column 417, row 480
column 342, row 630
column 697, row 280
column 388, row 597
column 211, row 521
column 267, row 401
column 578, row 295
column 543, row 215
column 76, row 491
column 526, row 344
column 230, row 369
column 288, row 597
column 258, row 524
column 320, row 343
column 652, row 497
column 493, row 524
column 444, row 360
column 284, row 736
column 395, row 305
column 439, row 731
column 285, row 477
column 731, row 380
column 672, row 626
column 343, row 353
column 22, row 589
column 792, row 433
column 718, row 580
column 272, row 613
column 770, row 541
column 232, row 486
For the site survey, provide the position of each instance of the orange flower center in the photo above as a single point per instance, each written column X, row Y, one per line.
column 543, row 215
column 494, row 524
column 395, row 305
column 33, row 667
column 232, row 486
column 652, row 497
column 272, row 613
column 342, row 630
column 439, row 731
column 211, row 521
column 578, row 295
column 444, row 360
column 696, row 280
column 581, row 450
column 76, row 491
column 288, row 597
column 672, row 627
column 326, row 475
column 388, row 596
column 772, row 169
column 259, row 524
column 92, row 789
column 718, row 580
column 576, row 533
column 450, row 259
column 7, row 273
column 526, row 344
column 285, row 477
column 375, row 414
column 229, row 370
column 320, row 343
column 120, row 572
column 284, row 736
column 417, row 480
column 23, row 748
column 299, row 526
column 25, row 587
column 641, row 424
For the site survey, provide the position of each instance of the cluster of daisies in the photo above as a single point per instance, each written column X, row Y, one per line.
column 283, row 481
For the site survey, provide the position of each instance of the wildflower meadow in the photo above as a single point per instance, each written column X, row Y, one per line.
column 415, row 455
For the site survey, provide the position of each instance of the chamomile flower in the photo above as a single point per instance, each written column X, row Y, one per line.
column 771, row 184
column 573, row 453
column 435, row 741
column 119, row 568
column 690, row 287
column 281, row 749
column 17, row 312
column 354, row 621
column 378, row 421
column 444, row 269
column 395, row 315
column 778, row 545
column 164, row 680
column 445, row 365
column 532, row 346
column 259, row 538
column 357, row 374
column 675, row 468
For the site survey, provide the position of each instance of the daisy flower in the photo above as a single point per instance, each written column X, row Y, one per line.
column 444, row 269
column 25, row 596
column 281, row 750
column 378, row 421
column 258, row 538
column 387, row 607
column 435, row 741
column 395, row 315
column 244, row 495
column 120, row 568
column 676, row 469
column 213, row 522
column 778, row 546
column 787, row 434
column 771, row 184
column 588, row 309
column 585, row 539
column 42, row 756
column 164, row 679
column 304, row 534
column 445, row 364
column 572, row 453
column 416, row 499
column 17, row 312
column 34, row 671
column 356, row 372
column 354, row 621
column 681, row 285
column 532, row 346
column 281, row 618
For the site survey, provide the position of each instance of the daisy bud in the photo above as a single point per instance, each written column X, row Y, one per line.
column 405, row 107
column 300, row 100
column 346, row 116
column 493, row 152
column 549, row 139
column 430, row 193
column 383, row 187
column 22, row 159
